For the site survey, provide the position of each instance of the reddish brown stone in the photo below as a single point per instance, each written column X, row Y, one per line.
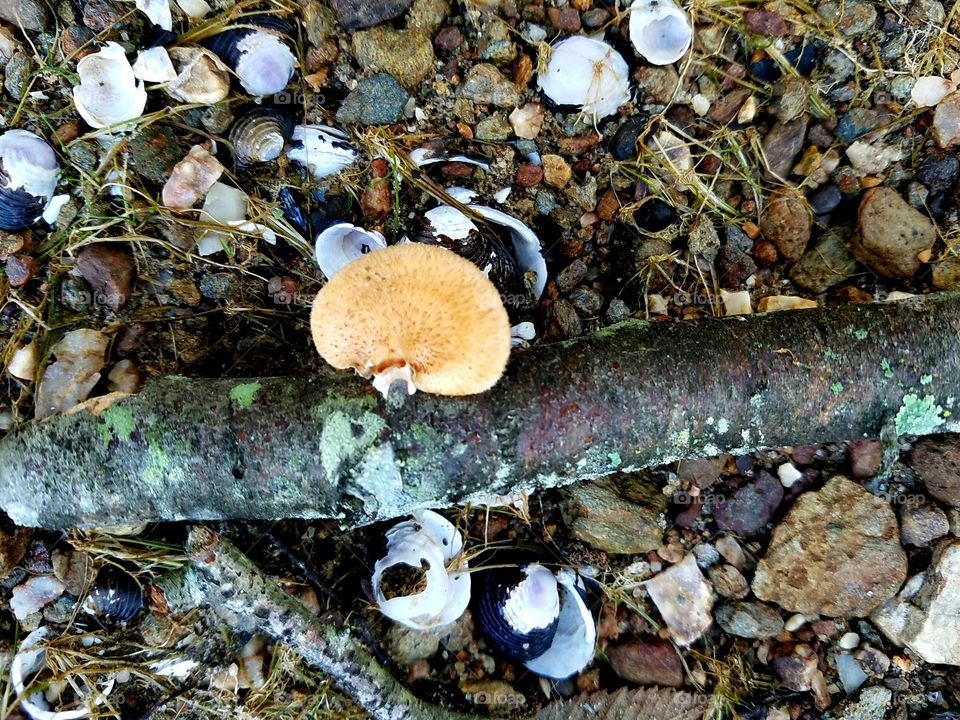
column 379, row 168
column 764, row 253
column 20, row 269
column 608, row 206
column 109, row 269
column 766, row 23
column 564, row 19
column 578, row 144
column 529, row 174
column 457, row 170
column 376, row 200
column 647, row 661
column 448, row 39
column 865, row 458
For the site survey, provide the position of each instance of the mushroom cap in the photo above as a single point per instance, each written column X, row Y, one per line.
column 421, row 309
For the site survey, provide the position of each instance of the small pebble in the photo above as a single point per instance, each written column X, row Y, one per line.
column 794, row 622
column 849, row 641
column 788, row 474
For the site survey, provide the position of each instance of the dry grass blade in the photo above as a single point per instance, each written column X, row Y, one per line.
column 642, row 704
column 148, row 555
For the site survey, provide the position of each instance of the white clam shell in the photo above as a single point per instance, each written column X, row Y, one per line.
column 158, row 11
column 29, row 163
column 423, row 156
column 109, row 94
column 573, row 644
column 224, row 205
column 30, row 658
column 265, row 63
column 154, row 65
column 342, row 243
column 429, row 538
column 660, row 30
column 322, row 149
column 586, row 73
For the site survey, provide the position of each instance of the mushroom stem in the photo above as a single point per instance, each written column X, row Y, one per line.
column 384, row 379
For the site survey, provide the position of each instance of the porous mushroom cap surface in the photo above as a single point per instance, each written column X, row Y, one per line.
column 415, row 312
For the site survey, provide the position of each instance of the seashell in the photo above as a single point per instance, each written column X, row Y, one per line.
column 660, row 31
column 424, row 551
column 586, row 73
column 116, row 594
column 519, row 272
column 258, row 51
column 201, row 77
column 154, row 65
column 195, row 9
column 28, row 178
column 322, row 149
column 519, row 611
column 30, row 659
column 341, row 243
column 224, row 205
column 427, row 156
column 158, row 11
column 540, row 619
column 109, row 93
column 259, row 134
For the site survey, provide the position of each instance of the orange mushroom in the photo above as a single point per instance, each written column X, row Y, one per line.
column 417, row 313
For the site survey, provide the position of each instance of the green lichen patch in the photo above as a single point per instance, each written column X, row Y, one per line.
column 244, row 394
column 116, row 422
column 836, row 388
column 345, row 439
column 919, row 416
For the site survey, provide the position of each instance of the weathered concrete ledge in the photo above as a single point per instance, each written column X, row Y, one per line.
column 629, row 397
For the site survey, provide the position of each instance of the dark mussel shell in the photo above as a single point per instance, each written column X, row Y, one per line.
column 487, row 251
column 116, row 594
column 502, row 635
column 259, row 133
column 19, row 209
column 230, row 47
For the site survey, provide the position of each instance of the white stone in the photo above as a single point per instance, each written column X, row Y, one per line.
column 929, row 90
column 685, row 600
column 788, row 474
column 927, row 620
column 32, row 595
column 23, row 362
column 872, row 158
column 527, row 120
column 795, row 622
column 736, row 303
column 849, row 641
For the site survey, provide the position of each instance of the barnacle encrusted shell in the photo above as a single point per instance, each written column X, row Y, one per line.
column 417, row 313
column 588, row 74
column 322, row 149
column 259, row 134
column 660, row 31
column 201, row 77
column 257, row 49
column 109, row 93
column 429, row 544
column 28, row 178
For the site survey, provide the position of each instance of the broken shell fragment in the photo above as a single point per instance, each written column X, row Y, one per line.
column 660, row 31
column 422, row 582
column 154, row 65
column 109, row 93
column 258, row 51
column 224, row 205
column 191, row 178
column 259, row 134
column 322, row 149
column 28, row 178
column 588, row 74
column 416, row 313
column 342, row 243
column 201, row 77
column 426, row 156
column 540, row 619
